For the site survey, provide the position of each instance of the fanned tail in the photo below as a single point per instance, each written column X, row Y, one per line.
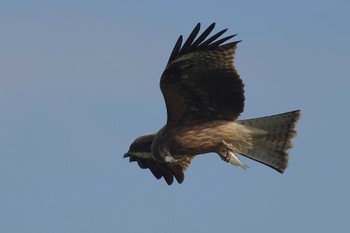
column 271, row 139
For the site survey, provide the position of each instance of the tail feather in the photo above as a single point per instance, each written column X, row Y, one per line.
column 271, row 139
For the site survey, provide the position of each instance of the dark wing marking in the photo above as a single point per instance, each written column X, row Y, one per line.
column 200, row 82
column 140, row 151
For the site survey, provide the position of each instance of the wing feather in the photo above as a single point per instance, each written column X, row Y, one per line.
column 202, row 37
column 176, row 49
column 221, row 41
column 190, row 39
column 211, row 39
column 200, row 82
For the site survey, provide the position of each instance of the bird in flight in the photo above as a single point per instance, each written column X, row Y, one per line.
column 204, row 97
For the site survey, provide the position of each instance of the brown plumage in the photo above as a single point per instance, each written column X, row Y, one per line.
column 204, row 96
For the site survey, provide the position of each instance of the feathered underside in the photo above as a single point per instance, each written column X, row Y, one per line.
column 271, row 138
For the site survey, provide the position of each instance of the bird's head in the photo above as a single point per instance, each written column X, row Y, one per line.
column 140, row 147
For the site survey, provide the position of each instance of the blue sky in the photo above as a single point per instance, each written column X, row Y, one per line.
column 79, row 80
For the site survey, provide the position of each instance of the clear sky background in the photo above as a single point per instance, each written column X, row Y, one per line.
column 79, row 80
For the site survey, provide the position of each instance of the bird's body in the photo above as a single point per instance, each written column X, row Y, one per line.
column 202, row 138
column 204, row 96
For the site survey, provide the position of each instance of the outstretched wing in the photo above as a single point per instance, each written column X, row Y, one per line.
column 200, row 82
column 140, row 151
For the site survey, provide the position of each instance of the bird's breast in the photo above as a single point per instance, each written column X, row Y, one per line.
column 200, row 138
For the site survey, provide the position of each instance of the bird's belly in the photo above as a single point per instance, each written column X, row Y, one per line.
column 203, row 138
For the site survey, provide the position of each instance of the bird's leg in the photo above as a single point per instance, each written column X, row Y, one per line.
column 228, row 153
